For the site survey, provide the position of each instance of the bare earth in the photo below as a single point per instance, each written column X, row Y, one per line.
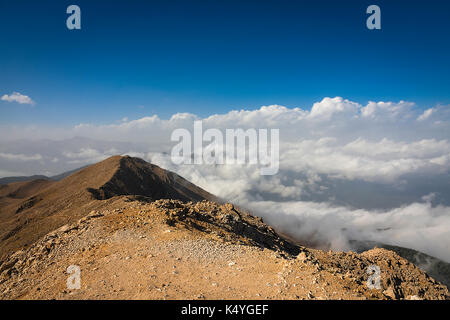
column 137, row 248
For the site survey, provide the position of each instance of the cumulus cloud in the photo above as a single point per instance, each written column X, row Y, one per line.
column 348, row 171
column 387, row 110
column 18, row 97
column 384, row 161
column 330, row 106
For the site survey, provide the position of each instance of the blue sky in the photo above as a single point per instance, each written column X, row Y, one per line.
column 137, row 58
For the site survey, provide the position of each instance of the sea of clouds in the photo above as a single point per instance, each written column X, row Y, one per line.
column 348, row 171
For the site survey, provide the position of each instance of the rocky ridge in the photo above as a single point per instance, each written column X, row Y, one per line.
column 137, row 248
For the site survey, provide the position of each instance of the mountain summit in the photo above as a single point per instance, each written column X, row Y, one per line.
column 29, row 210
column 134, row 176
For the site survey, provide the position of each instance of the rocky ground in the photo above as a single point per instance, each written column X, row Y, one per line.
column 135, row 248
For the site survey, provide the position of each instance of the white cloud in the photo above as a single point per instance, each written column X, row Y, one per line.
column 426, row 114
column 387, row 110
column 20, row 157
column 330, row 106
column 418, row 225
column 18, row 97
column 383, row 161
column 88, row 155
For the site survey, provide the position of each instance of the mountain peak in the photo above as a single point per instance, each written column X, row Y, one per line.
column 44, row 206
column 134, row 176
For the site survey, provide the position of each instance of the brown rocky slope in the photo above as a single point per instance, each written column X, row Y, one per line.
column 168, row 249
